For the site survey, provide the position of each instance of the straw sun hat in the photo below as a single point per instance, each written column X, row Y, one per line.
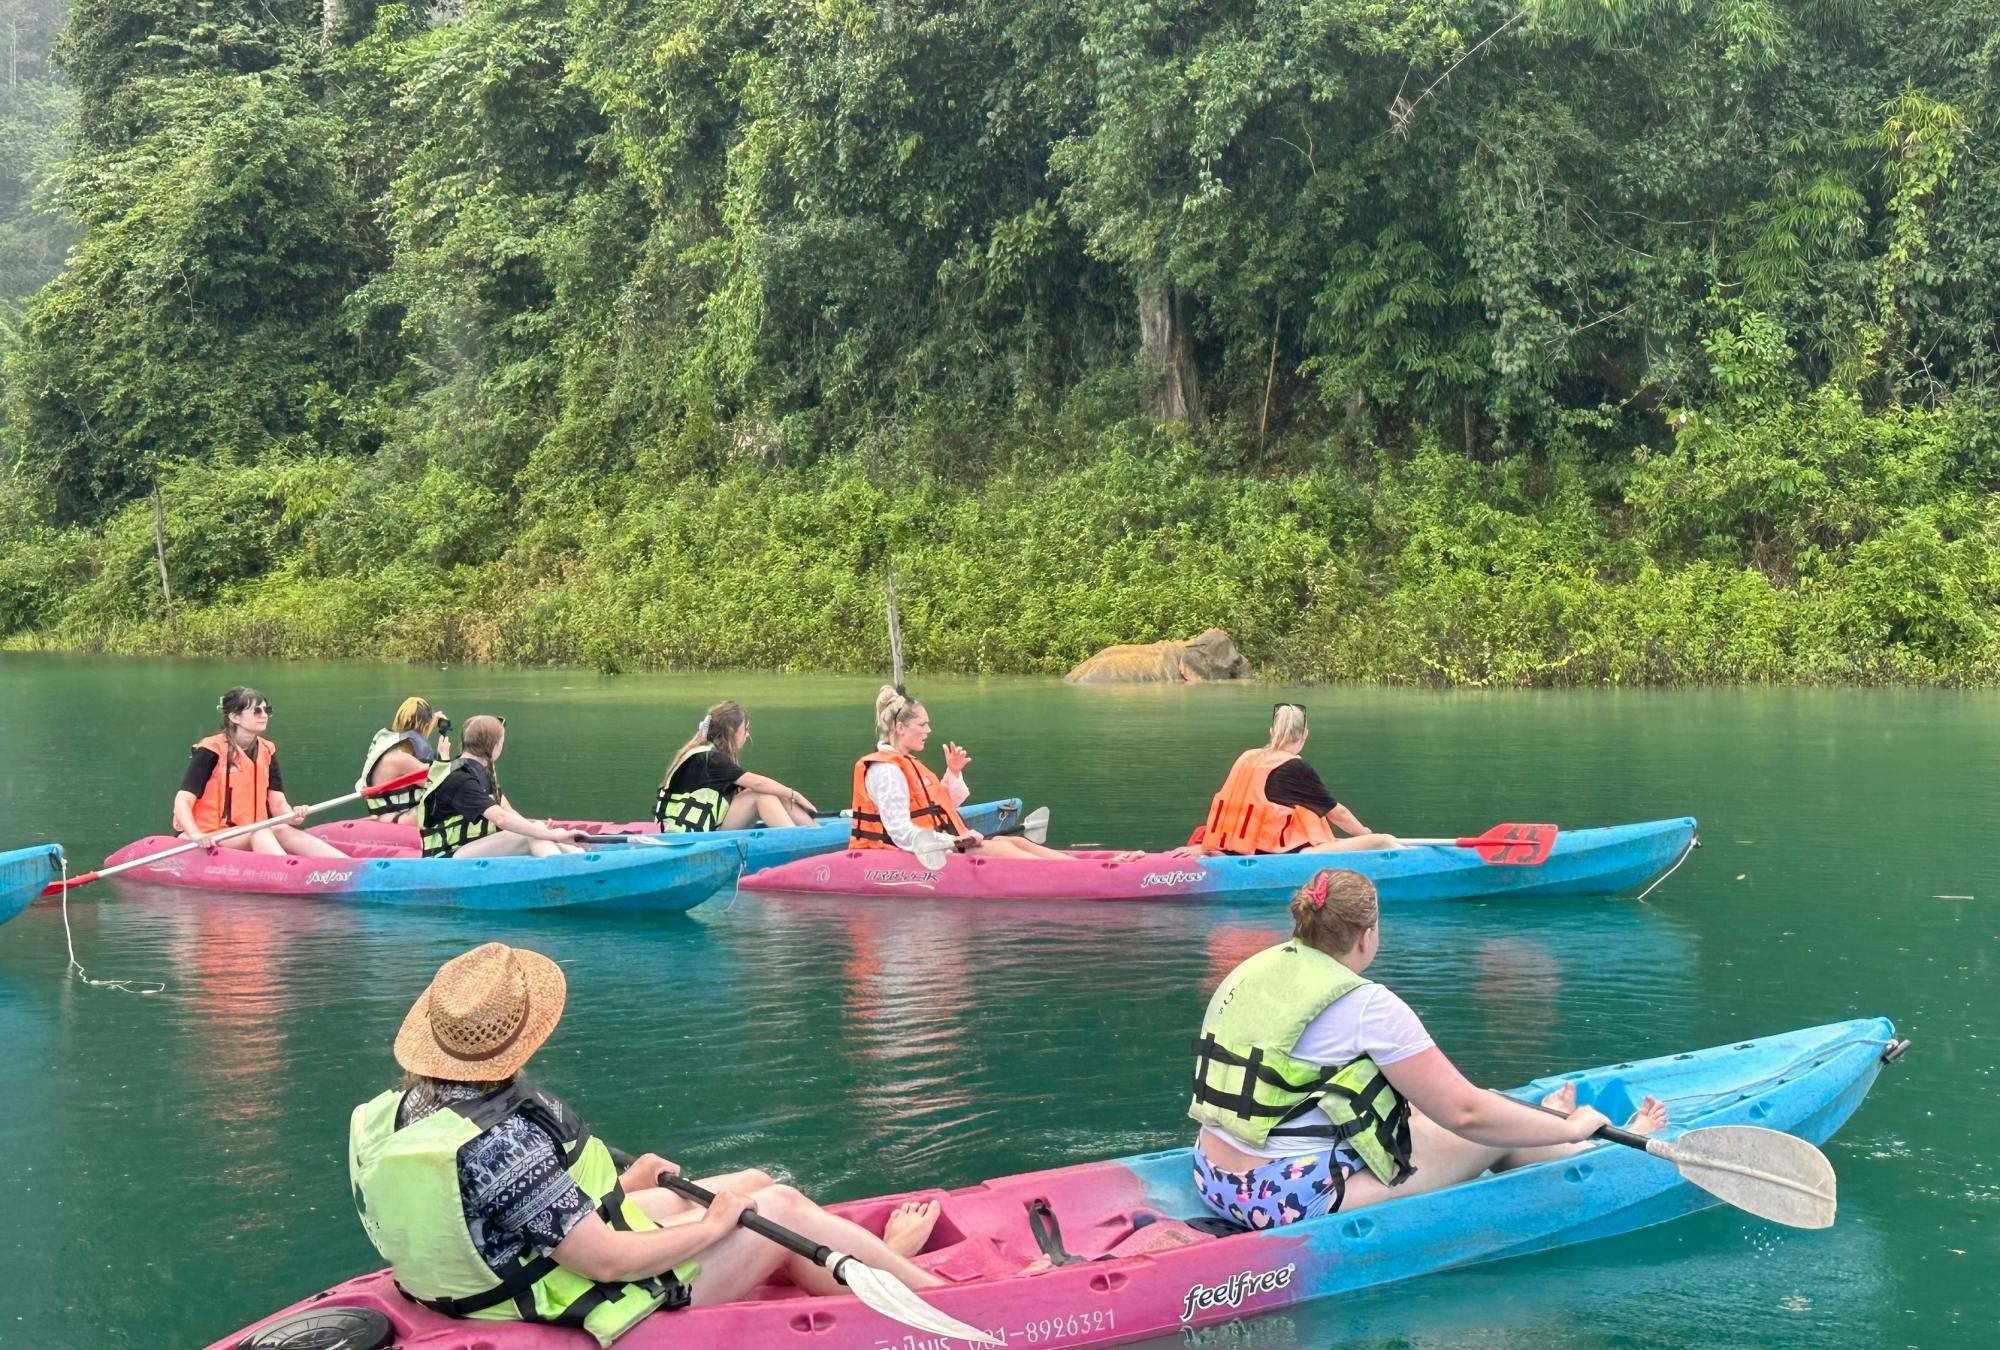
column 484, row 1014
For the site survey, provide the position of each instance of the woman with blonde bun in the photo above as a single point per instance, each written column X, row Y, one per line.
column 896, row 794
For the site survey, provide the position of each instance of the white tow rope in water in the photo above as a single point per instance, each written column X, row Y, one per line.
column 76, row 966
column 1694, row 842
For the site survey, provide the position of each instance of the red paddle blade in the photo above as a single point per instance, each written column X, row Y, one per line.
column 68, row 884
column 407, row 780
column 1513, row 845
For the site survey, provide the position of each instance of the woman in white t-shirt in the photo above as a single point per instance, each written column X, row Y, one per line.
column 1282, row 1163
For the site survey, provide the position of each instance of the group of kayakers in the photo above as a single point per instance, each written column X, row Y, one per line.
column 1315, row 1089
column 1271, row 802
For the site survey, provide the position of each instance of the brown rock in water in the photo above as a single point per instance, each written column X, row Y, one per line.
column 1195, row 660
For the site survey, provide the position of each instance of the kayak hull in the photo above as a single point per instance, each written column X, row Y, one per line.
column 761, row 847
column 1582, row 862
column 24, row 872
column 1805, row 1082
column 663, row 877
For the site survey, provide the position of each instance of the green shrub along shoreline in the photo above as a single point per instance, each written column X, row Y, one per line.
column 1447, row 342
column 1804, row 541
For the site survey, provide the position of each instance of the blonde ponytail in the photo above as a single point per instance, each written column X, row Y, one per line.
column 892, row 707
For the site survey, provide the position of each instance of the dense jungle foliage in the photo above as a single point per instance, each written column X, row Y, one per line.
column 1418, row 340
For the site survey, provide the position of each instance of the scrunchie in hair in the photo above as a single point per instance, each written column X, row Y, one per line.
column 701, row 727
column 1316, row 891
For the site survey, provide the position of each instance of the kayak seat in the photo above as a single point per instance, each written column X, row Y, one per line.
column 1141, row 1233
column 1161, row 1234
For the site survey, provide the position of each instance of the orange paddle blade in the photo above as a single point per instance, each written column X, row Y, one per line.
column 1513, row 845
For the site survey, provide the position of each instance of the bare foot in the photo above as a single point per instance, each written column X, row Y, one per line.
column 1650, row 1118
column 1037, row 1266
column 909, row 1226
column 1563, row 1099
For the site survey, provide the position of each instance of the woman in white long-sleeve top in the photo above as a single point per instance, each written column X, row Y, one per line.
column 896, row 794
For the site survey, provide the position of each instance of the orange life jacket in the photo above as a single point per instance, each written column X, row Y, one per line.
column 239, row 791
column 1241, row 819
column 930, row 803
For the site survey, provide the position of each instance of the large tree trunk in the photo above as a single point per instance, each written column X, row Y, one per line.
column 1166, row 348
column 329, row 23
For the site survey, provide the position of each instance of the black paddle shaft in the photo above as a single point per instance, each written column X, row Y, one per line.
column 815, row 1252
column 1616, row 1134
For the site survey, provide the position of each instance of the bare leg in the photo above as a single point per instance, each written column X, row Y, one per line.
column 742, row 811
column 738, row 1263
column 503, row 844
column 771, row 810
column 260, row 842
column 777, row 812
column 1013, row 846
column 295, row 841
column 662, row 1205
column 1445, row 1159
column 1354, row 842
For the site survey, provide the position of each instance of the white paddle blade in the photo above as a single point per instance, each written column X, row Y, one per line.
column 932, row 849
column 1035, row 826
column 892, row 1298
column 1769, row 1173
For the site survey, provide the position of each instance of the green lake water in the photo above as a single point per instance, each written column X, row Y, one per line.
column 174, row 1165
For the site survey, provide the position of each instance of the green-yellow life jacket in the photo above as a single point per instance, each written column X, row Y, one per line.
column 695, row 812
column 441, row 838
column 1248, row 1086
column 406, row 1190
column 402, row 799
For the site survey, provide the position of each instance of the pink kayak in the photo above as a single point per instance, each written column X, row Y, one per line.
column 1580, row 862
column 382, row 867
column 760, row 847
column 1147, row 1269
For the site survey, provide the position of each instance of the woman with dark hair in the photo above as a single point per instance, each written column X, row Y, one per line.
column 706, row 788
column 462, row 813
column 232, row 779
column 1351, row 1102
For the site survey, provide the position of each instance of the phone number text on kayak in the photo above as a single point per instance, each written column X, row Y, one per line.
column 1041, row 1331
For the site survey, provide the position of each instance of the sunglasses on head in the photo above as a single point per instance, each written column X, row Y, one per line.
column 1277, row 708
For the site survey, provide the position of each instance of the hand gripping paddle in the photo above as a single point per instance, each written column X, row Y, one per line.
column 1503, row 845
column 1769, row 1173
column 877, row 1288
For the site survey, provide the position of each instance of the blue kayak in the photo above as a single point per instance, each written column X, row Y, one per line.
column 762, row 846
column 1602, row 861
column 672, row 874
column 23, row 874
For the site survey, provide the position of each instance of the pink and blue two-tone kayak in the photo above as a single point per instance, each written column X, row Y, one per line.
column 1164, row 1276
column 671, row 875
column 1581, row 862
column 762, row 847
